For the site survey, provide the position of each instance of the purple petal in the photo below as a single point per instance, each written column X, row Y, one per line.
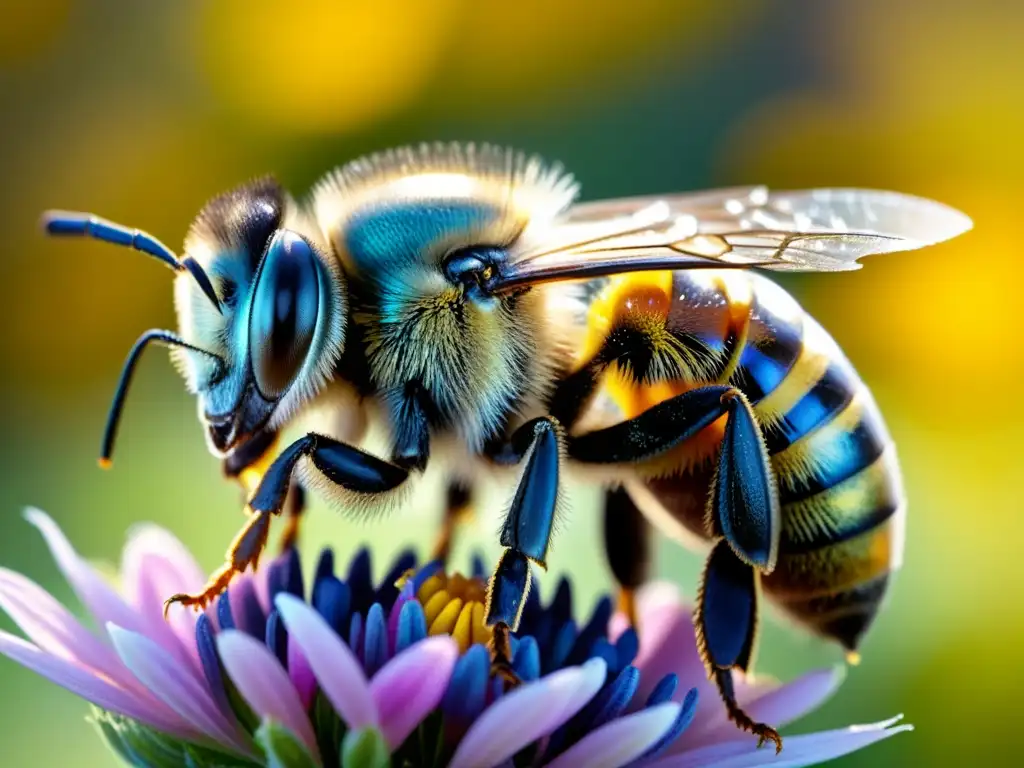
column 301, row 674
column 668, row 646
column 621, row 741
column 98, row 596
column 259, row 582
column 151, row 546
column 264, row 684
column 246, row 611
column 84, row 683
column 809, row 749
column 103, row 602
column 778, row 706
column 536, row 709
column 651, row 599
column 175, row 687
column 337, row 670
column 55, row 630
column 411, row 685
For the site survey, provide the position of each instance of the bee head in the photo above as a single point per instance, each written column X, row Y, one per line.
column 261, row 310
column 279, row 329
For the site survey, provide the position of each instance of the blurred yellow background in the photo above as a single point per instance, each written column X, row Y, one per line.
column 142, row 111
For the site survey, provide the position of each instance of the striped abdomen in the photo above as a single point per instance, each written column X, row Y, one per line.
column 838, row 480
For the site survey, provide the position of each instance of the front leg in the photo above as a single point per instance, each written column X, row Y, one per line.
column 249, row 462
column 340, row 464
column 526, row 532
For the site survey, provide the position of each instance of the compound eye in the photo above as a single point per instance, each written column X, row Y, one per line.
column 284, row 310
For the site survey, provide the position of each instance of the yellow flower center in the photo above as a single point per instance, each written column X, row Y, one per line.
column 454, row 605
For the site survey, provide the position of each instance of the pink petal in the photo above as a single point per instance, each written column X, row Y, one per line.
column 621, row 741
column 103, row 602
column 94, row 592
column 809, row 749
column 85, row 683
column 337, row 670
column 668, row 646
column 527, row 713
column 411, row 685
column 265, row 685
column 181, row 571
column 56, row 631
column 793, row 700
column 174, row 686
column 301, row 675
column 154, row 566
column 777, row 707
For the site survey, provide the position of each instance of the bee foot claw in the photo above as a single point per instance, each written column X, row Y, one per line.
column 196, row 602
column 503, row 669
column 766, row 733
column 217, row 584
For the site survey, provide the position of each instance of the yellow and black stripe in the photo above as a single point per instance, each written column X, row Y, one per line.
column 657, row 335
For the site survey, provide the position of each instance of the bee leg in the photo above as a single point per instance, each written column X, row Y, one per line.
column 658, row 429
column 744, row 506
column 244, row 551
column 726, row 622
column 457, row 509
column 526, row 532
column 339, row 463
column 247, row 463
column 506, row 596
column 627, row 544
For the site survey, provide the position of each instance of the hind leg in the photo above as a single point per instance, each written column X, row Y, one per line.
column 742, row 518
column 726, row 620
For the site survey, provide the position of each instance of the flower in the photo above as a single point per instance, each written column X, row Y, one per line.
column 396, row 674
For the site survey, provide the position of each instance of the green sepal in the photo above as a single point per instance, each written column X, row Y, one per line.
column 143, row 747
column 329, row 729
column 281, row 747
column 427, row 741
column 365, row 748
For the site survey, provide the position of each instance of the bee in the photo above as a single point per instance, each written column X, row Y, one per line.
column 460, row 297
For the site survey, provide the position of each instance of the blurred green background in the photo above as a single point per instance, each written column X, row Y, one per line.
column 142, row 111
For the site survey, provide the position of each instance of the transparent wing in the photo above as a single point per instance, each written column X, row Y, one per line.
column 818, row 230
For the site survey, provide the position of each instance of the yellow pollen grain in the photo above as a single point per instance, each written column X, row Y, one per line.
column 463, row 631
column 444, row 622
column 454, row 605
column 432, row 608
column 429, row 588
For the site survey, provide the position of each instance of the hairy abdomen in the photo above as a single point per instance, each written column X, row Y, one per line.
column 835, row 465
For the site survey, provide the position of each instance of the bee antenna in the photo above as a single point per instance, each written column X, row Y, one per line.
column 166, row 338
column 78, row 224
